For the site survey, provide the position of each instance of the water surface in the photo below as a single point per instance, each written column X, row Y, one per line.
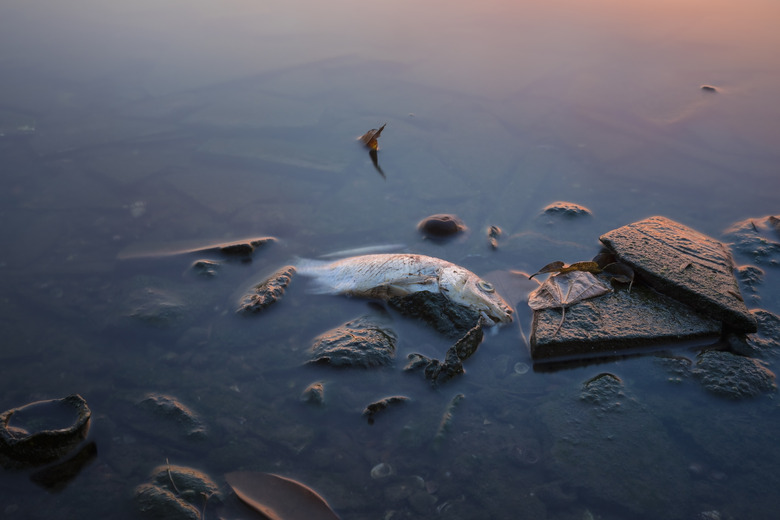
column 150, row 126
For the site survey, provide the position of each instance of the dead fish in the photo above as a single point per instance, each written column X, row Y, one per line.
column 387, row 275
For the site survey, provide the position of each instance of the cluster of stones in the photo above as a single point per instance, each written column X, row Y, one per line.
column 686, row 291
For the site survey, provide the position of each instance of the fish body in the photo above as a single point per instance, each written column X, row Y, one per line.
column 384, row 276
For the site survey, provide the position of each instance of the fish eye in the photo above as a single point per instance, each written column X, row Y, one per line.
column 485, row 286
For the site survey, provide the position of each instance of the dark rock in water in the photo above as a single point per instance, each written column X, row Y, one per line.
column 156, row 502
column 758, row 239
column 43, row 431
column 191, row 484
column 493, row 232
column 314, row 393
column 709, row 88
column 363, row 342
column 179, row 418
column 566, row 209
column 616, row 321
column 685, row 265
column 206, row 268
column 729, row 375
column 242, row 247
column 267, row 292
column 441, row 226
column 438, row 372
column 372, row 409
column 438, row 311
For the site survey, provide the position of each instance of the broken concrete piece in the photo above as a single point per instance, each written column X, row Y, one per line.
column 685, row 265
column 617, row 321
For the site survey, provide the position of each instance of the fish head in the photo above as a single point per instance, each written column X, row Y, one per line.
column 465, row 288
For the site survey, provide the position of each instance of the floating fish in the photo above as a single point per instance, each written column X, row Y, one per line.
column 388, row 275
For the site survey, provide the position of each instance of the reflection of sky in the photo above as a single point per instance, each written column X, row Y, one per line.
column 567, row 65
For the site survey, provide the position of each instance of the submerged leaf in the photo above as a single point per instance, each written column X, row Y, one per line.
column 562, row 290
column 370, row 138
column 279, row 498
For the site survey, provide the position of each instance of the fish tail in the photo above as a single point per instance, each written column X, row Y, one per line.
column 318, row 270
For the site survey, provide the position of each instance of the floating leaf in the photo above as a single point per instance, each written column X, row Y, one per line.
column 370, row 138
column 560, row 267
column 563, row 290
column 620, row 273
column 279, row 498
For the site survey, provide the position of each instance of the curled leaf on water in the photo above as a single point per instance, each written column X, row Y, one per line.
column 279, row 498
column 566, row 289
column 370, row 138
column 560, row 267
column 552, row 267
column 620, row 273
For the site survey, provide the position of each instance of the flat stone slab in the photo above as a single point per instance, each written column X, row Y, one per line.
column 615, row 322
column 685, row 265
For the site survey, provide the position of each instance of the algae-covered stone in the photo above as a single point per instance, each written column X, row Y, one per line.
column 617, row 321
column 685, row 265
column 729, row 375
column 267, row 292
column 363, row 342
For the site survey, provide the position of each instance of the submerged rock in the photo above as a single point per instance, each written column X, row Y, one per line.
column 438, row 311
column 267, row 292
column 190, row 484
column 363, row 342
column 729, row 375
column 619, row 320
column 156, row 502
column 566, row 209
column 758, row 239
column 206, row 268
column 314, row 393
column 43, row 431
column 179, row 419
column 441, row 226
column 685, row 265
column 372, row 409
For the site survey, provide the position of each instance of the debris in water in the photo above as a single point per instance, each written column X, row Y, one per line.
column 279, row 498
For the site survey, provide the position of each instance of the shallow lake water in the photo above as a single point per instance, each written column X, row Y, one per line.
column 136, row 129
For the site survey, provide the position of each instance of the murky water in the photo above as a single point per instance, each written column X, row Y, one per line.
column 152, row 127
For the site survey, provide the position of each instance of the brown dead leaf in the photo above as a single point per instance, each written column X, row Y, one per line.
column 370, row 138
